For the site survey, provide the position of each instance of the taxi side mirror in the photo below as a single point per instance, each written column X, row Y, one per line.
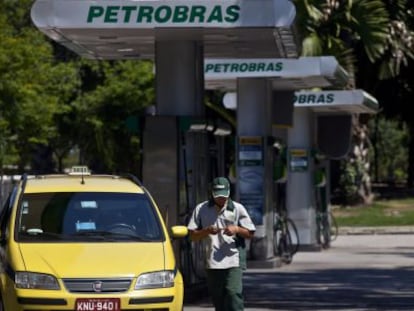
column 178, row 232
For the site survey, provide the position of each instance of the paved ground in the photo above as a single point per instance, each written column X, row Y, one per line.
column 359, row 272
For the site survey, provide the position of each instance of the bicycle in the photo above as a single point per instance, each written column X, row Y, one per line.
column 326, row 228
column 326, row 224
column 285, row 233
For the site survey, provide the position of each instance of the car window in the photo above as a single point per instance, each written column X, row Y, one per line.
column 6, row 210
column 68, row 216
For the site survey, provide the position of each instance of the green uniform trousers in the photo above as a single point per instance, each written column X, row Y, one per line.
column 226, row 288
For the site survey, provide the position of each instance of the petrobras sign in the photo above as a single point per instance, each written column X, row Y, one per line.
column 228, row 68
column 222, row 69
column 165, row 13
column 326, row 98
column 162, row 14
column 309, row 99
column 347, row 100
column 350, row 100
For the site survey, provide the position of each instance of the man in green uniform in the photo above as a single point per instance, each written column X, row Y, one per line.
column 224, row 224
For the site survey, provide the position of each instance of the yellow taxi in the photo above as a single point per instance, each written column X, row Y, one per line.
column 86, row 242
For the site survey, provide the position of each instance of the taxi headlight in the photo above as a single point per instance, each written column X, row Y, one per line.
column 157, row 279
column 32, row 280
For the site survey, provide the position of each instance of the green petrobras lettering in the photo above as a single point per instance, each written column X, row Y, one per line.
column 302, row 99
column 234, row 67
column 243, row 67
column 209, row 67
column 321, row 99
column 128, row 10
column 163, row 14
column 111, row 14
column 180, row 14
column 217, row 67
column 279, row 66
column 261, row 67
column 226, row 67
column 326, row 98
column 216, row 15
column 149, row 13
column 274, row 66
column 233, row 13
column 197, row 13
column 315, row 98
column 145, row 12
column 311, row 99
column 252, row 67
column 95, row 12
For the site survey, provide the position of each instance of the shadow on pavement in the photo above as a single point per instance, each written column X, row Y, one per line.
column 331, row 289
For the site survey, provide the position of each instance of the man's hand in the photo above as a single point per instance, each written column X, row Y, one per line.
column 212, row 230
column 231, row 230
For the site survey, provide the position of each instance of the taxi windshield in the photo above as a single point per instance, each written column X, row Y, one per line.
column 87, row 216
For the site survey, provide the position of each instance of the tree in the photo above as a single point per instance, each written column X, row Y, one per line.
column 394, row 85
column 126, row 88
column 32, row 86
column 356, row 32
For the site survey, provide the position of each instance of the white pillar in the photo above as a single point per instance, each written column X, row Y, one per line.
column 300, row 201
column 253, row 169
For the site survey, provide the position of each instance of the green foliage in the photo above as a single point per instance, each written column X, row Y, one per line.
column 49, row 101
column 390, row 155
column 32, row 88
column 384, row 30
column 349, row 182
column 335, row 27
column 126, row 89
column 369, row 21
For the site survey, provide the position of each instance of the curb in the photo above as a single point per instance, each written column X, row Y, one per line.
column 376, row 230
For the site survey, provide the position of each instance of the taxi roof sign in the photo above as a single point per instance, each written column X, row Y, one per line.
column 79, row 170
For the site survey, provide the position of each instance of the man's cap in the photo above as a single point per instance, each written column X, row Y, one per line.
column 220, row 187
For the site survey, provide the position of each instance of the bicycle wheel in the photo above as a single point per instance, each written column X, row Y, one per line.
column 318, row 228
column 284, row 245
column 334, row 226
column 324, row 230
column 277, row 234
column 285, row 248
column 293, row 236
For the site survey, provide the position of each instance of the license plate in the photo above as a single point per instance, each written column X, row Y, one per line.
column 98, row 304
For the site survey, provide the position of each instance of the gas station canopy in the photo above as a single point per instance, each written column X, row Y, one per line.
column 346, row 101
column 285, row 74
column 351, row 101
column 128, row 29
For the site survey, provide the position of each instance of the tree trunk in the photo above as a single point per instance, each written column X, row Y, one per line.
column 360, row 157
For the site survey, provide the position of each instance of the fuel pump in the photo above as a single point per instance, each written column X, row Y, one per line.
column 279, row 173
column 323, row 223
column 202, row 153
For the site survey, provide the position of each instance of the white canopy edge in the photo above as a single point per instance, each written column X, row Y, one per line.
column 128, row 29
column 285, row 74
column 343, row 101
